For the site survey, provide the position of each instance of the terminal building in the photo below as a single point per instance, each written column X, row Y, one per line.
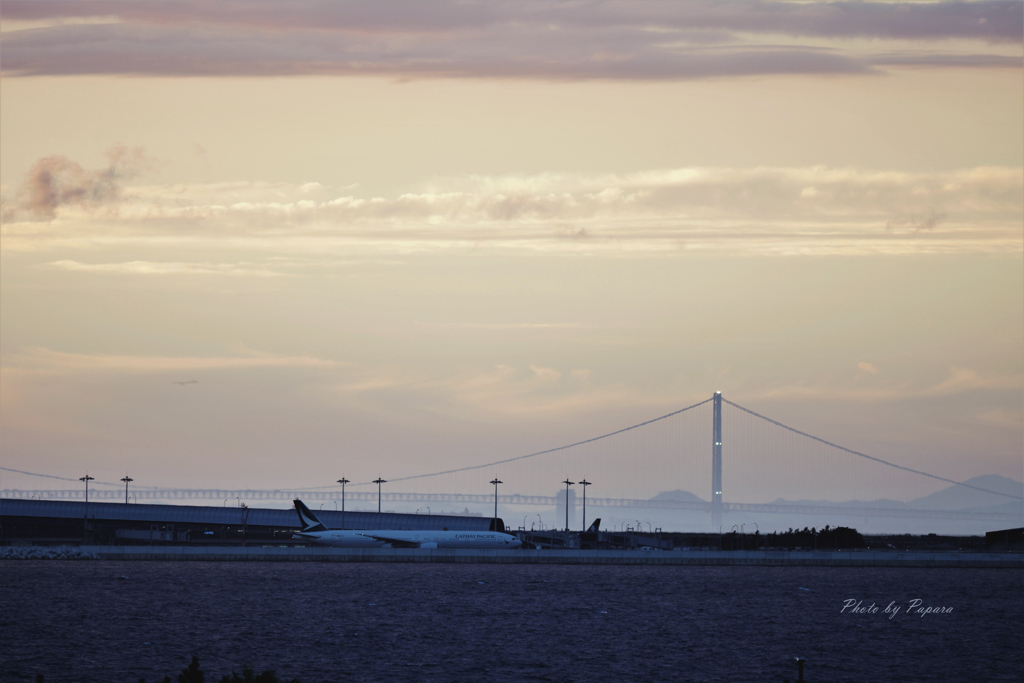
column 47, row 522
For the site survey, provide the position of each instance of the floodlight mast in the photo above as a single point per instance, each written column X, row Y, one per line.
column 584, row 483
column 85, row 520
column 567, row 485
column 343, row 481
column 496, row 481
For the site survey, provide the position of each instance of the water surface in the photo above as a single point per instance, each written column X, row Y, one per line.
column 120, row 621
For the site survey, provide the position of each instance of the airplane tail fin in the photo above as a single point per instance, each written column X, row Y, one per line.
column 595, row 527
column 308, row 519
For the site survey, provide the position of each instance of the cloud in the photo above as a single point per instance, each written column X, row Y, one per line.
column 987, row 20
column 168, row 268
column 868, row 368
column 958, row 381
column 950, row 60
column 505, row 390
column 764, row 210
column 508, row 326
column 56, row 181
column 545, row 374
column 540, row 40
column 1001, row 417
column 48, row 361
column 962, row 380
column 405, row 394
column 916, row 223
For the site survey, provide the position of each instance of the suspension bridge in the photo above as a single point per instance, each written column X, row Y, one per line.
column 751, row 455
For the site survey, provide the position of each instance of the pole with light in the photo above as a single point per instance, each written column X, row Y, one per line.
column 567, row 485
column 126, row 480
column 378, row 481
column 85, row 523
column 496, row 481
column 343, row 481
column 584, row 483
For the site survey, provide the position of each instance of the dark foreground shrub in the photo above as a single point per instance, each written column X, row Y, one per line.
column 193, row 674
column 250, row 676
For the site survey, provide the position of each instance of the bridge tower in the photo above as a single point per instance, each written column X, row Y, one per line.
column 716, row 463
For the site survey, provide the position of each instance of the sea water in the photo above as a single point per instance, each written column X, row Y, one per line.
column 122, row 621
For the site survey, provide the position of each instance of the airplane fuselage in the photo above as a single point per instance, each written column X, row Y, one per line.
column 380, row 538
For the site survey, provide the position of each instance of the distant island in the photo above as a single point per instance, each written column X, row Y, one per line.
column 952, row 497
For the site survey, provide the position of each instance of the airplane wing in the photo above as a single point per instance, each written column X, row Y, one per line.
column 395, row 542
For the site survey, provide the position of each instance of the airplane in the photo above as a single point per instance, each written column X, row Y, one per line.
column 314, row 531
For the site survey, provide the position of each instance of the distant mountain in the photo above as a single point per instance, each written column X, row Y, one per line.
column 679, row 496
column 953, row 497
column 963, row 498
column 878, row 503
column 950, row 498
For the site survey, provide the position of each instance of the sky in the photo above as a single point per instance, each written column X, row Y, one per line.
column 261, row 245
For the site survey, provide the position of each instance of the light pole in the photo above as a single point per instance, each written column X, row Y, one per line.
column 567, row 485
column 757, row 532
column 126, row 480
column 584, row 483
column 245, row 524
column 85, row 523
column 496, row 481
column 378, row 481
column 343, row 481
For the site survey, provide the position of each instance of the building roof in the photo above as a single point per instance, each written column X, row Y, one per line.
column 232, row 516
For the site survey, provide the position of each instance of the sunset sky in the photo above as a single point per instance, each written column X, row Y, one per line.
column 255, row 244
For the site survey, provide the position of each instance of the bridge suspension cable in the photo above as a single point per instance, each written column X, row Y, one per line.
column 869, row 457
column 551, row 450
column 51, row 476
